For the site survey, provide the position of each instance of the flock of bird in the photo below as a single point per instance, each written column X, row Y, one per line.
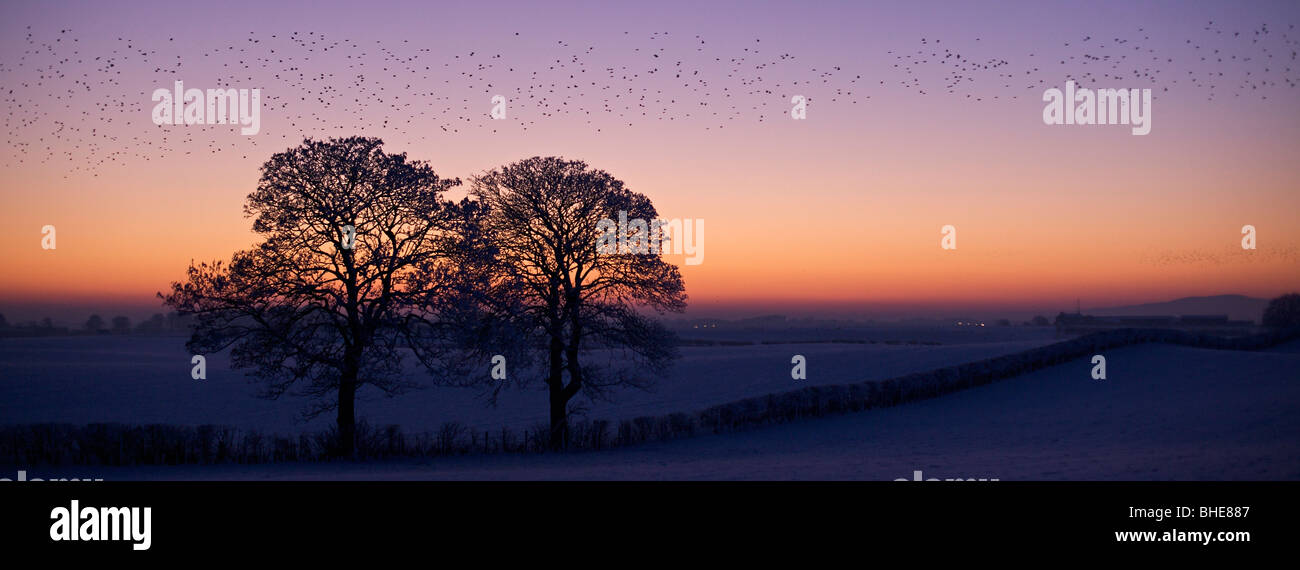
column 1227, row 254
column 90, row 105
column 1247, row 65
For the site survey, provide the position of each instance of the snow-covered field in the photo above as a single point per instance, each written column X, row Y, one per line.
column 1164, row 412
column 141, row 380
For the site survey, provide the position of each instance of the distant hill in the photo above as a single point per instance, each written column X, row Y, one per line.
column 1237, row 307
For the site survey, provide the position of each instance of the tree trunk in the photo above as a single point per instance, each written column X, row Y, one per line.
column 559, row 403
column 559, row 420
column 571, row 359
column 347, row 419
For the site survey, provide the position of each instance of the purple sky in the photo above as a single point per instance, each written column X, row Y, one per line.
column 687, row 102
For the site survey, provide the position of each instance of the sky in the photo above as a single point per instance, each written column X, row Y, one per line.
column 920, row 115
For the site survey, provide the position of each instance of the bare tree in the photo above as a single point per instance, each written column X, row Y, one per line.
column 353, row 242
column 572, row 298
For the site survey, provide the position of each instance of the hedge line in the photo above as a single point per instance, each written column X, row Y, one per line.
column 159, row 444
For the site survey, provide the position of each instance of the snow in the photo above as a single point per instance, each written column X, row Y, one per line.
column 142, row 380
column 1164, row 412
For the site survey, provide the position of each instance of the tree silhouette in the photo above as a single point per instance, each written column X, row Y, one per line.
column 353, row 242
column 176, row 320
column 154, row 323
column 572, row 298
column 1283, row 311
column 95, row 323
